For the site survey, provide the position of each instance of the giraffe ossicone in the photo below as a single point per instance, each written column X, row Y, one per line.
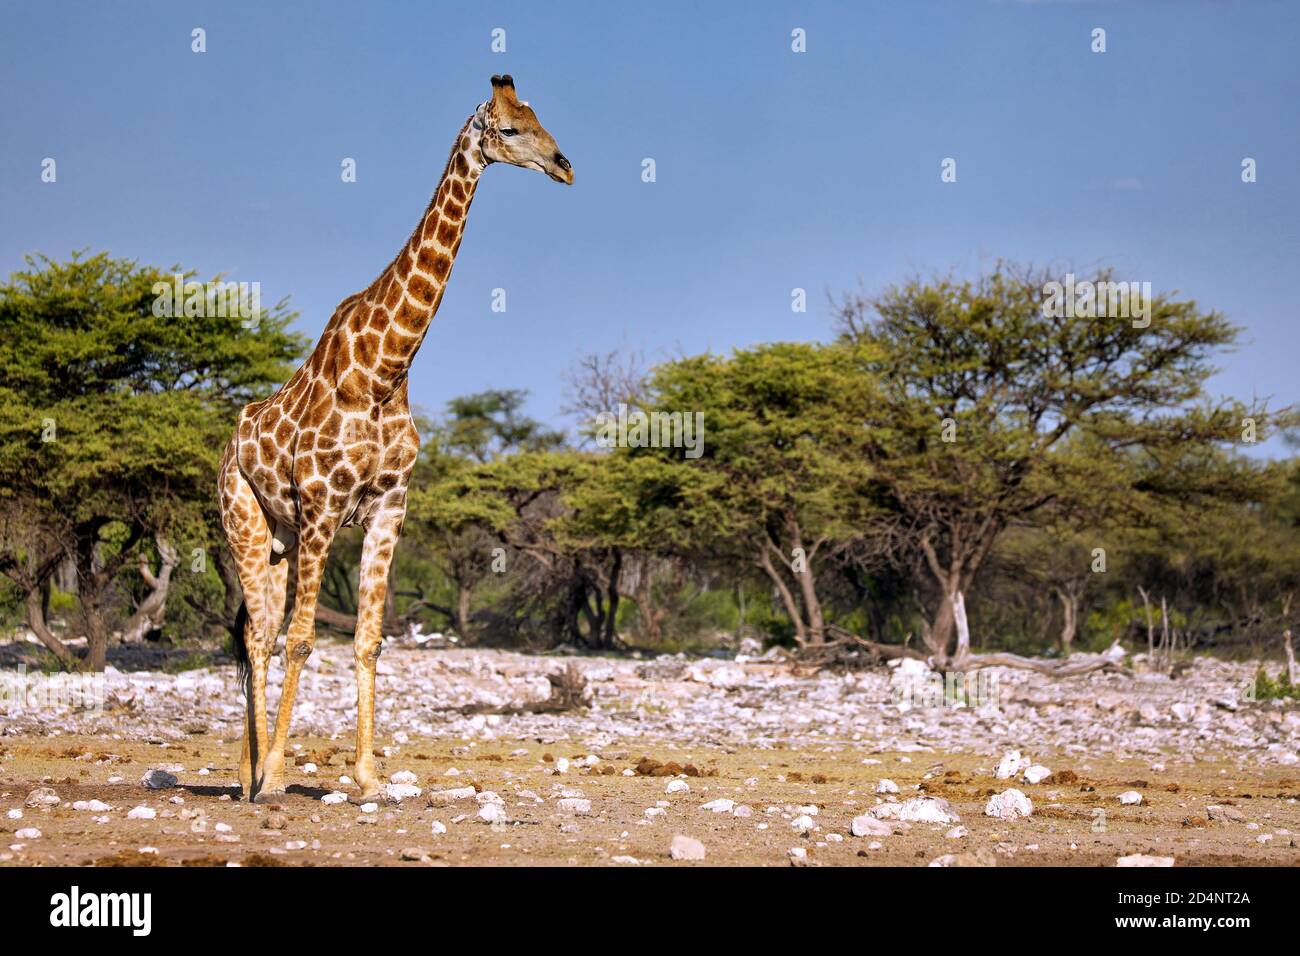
column 335, row 446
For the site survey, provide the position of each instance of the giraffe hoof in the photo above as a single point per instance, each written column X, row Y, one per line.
column 268, row 796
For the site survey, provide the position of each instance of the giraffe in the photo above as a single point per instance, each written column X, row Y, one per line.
column 335, row 446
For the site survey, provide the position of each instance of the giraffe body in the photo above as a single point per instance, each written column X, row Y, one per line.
column 335, row 446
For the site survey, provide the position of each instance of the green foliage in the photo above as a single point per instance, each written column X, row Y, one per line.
column 1266, row 688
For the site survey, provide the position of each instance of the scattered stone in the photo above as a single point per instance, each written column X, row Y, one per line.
column 575, row 806
column 918, row 810
column 625, row 860
column 803, row 824
column 414, row 854
column 686, row 848
column 142, row 813
column 95, row 806
column 1009, row 805
column 721, row 805
column 798, row 856
column 1010, row 765
column 1130, row 798
column 159, row 780
column 397, row 792
column 957, row 833
column 445, row 798
column 276, row 821
column 403, row 778
column 886, row 786
column 338, row 796
column 981, row 857
column 1141, row 859
column 1036, row 774
column 438, row 827
column 28, row 833
column 492, row 813
column 1229, row 814
column 42, row 797
column 677, row 786
column 867, row 825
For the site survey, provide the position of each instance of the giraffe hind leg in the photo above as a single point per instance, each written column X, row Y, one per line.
column 248, row 535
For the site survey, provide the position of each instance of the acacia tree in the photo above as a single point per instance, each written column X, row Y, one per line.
column 782, row 444
column 111, row 422
column 991, row 411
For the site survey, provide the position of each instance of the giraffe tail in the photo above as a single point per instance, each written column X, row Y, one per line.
column 239, row 646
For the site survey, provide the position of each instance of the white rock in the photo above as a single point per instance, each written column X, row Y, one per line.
column 575, row 806
column 918, row 810
column 886, row 785
column 142, row 813
column 562, row 765
column 28, row 833
column 867, row 825
column 803, row 823
column 677, row 786
column 492, row 813
column 1009, row 805
column 652, row 812
column 487, row 796
column 721, row 805
column 308, row 768
column 1141, row 859
column 95, row 806
column 686, row 848
column 397, row 792
column 42, row 797
column 1036, row 774
column 625, row 860
column 743, row 811
column 338, row 796
column 15, row 814
column 1130, row 798
column 443, row 798
column 957, row 833
column 798, row 856
column 403, row 777
column 159, row 780
column 437, row 826
column 1010, row 765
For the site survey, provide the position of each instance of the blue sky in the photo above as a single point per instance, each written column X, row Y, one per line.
column 775, row 170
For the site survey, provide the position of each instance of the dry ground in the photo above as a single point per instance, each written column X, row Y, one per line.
column 1063, row 830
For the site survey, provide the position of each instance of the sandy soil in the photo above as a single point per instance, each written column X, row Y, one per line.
column 1218, row 772
column 1065, row 828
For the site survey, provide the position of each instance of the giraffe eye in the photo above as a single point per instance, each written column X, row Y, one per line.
column 509, row 132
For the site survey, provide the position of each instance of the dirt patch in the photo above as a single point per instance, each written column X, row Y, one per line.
column 200, row 823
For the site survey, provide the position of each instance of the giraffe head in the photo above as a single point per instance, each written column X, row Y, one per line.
column 512, row 134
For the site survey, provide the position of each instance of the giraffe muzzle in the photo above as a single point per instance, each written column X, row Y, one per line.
column 561, row 170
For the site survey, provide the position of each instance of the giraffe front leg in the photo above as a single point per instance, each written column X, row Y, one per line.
column 376, row 556
column 297, row 648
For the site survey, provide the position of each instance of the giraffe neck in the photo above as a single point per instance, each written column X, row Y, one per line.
column 399, row 306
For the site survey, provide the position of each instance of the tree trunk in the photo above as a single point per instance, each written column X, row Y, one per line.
column 1070, row 614
column 463, row 594
column 149, row 614
column 787, row 599
column 36, row 621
